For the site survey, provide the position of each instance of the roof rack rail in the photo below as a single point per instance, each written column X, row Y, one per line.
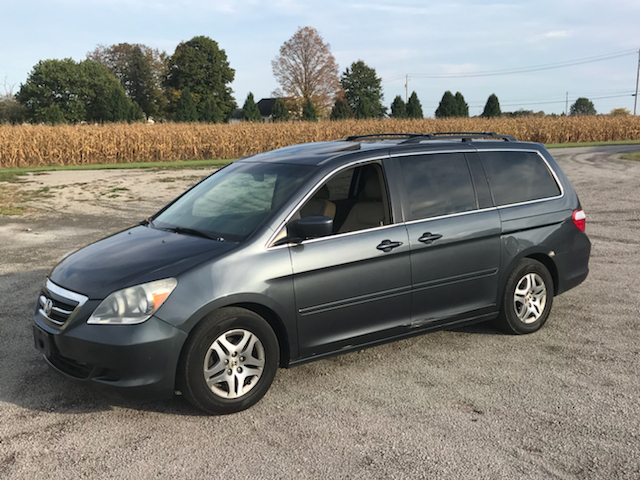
column 353, row 138
column 464, row 136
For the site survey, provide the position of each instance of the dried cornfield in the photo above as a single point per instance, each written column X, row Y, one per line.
column 40, row 145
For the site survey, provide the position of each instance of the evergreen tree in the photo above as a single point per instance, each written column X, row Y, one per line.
column 209, row 111
column 414, row 108
column 279, row 112
column 463, row 107
column 309, row 112
column 186, row 108
column 250, row 111
column 341, row 110
column 448, row 106
column 582, row 106
column 492, row 107
column 398, row 108
column 363, row 91
column 136, row 114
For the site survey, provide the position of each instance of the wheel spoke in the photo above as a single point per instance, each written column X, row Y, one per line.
column 221, row 377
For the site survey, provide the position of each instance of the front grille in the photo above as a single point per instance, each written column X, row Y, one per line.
column 58, row 305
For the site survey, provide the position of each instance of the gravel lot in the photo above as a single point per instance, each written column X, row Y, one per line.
column 463, row 404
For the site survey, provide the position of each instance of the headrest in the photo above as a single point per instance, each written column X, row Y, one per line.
column 372, row 187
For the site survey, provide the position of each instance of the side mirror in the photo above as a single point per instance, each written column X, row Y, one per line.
column 313, row 226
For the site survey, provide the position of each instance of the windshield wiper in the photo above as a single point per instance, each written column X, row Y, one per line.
column 147, row 221
column 193, row 231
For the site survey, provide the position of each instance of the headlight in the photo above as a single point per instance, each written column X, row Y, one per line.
column 134, row 304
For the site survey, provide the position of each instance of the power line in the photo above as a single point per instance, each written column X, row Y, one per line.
column 511, row 71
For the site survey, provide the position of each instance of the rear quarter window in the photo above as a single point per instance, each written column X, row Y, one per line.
column 517, row 177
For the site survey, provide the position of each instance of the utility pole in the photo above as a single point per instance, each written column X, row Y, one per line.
column 406, row 90
column 566, row 105
column 635, row 100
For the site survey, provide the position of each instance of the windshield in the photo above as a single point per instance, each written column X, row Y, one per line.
column 233, row 202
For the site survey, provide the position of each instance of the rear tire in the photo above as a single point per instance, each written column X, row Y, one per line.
column 527, row 298
column 229, row 361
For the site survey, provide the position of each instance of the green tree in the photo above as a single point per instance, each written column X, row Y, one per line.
column 414, row 108
column 306, row 70
column 463, row 107
column 341, row 110
column 140, row 70
column 582, row 106
column 448, row 106
column 62, row 91
column 186, row 108
column 202, row 67
column 398, row 108
column 279, row 112
column 250, row 111
column 309, row 112
column 363, row 90
column 492, row 107
column 208, row 110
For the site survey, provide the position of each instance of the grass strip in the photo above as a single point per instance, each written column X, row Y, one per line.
column 632, row 156
column 593, row 144
column 11, row 174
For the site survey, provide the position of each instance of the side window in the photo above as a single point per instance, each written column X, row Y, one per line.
column 437, row 184
column 355, row 199
column 518, row 177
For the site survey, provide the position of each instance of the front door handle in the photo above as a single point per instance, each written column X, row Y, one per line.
column 428, row 238
column 387, row 245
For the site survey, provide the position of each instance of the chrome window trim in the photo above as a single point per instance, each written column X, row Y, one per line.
column 411, row 222
column 311, row 192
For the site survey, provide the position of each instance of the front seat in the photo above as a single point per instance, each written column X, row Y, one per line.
column 369, row 211
column 319, row 204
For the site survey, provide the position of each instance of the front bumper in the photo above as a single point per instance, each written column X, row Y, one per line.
column 129, row 361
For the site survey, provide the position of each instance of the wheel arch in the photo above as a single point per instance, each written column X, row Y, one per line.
column 550, row 265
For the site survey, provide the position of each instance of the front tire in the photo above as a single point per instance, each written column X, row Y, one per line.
column 527, row 299
column 229, row 361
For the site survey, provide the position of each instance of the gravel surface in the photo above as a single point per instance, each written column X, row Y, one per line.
column 470, row 403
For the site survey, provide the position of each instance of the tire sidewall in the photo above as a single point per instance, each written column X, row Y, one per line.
column 508, row 314
column 193, row 382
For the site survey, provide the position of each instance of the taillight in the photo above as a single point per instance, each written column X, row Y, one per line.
column 579, row 219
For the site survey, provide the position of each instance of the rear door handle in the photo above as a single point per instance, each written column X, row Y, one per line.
column 387, row 245
column 428, row 238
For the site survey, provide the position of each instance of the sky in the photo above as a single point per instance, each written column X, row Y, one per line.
column 439, row 45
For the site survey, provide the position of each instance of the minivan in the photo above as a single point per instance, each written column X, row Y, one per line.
column 314, row 250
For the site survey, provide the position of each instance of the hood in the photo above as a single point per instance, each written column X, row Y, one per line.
column 137, row 255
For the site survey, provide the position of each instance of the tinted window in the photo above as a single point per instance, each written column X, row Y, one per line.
column 518, row 177
column 437, row 184
column 233, row 202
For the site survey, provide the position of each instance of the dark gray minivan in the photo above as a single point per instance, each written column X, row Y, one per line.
column 313, row 250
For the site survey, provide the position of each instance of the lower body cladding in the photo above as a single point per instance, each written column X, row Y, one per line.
column 130, row 361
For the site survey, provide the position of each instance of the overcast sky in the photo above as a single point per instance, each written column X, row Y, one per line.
column 420, row 38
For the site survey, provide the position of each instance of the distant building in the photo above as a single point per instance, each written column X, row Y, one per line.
column 236, row 116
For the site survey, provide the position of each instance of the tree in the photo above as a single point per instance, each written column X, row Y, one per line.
column 309, row 112
column 208, row 110
column 140, row 70
column 398, row 108
column 202, row 67
column 11, row 111
column 582, row 106
column 340, row 110
column 63, row 91
column 279, row 112
column 492, row 107
column 463, row 107
column 414, row 108
column 186, row 108
column 448, row 106
column 363, row 90
column 250, row 111
column 306, row 70
column 620, row 112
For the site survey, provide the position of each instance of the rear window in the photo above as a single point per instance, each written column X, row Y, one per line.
column 437, row 184
column 517, row 177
